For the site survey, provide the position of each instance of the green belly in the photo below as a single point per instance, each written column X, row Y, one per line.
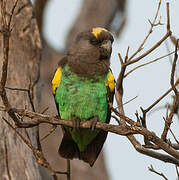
column 84, row 98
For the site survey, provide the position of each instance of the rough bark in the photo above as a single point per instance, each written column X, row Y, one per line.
column 16, row 159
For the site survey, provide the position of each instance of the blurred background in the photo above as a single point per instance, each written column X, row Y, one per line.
column 147, row 83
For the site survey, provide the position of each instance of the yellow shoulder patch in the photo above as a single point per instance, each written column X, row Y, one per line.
column 110, row 81
column 56, row 79
column 97, row 31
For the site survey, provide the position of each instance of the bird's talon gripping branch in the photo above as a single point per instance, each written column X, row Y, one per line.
column 93, row 122
column 76, row 123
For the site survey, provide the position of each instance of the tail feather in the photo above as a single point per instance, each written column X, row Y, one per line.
column 94, row 148
column 69, row 149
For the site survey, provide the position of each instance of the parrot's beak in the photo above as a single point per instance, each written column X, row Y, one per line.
column 106, row 49
column 107, row 45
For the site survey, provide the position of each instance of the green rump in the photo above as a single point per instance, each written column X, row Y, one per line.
column 83, row 98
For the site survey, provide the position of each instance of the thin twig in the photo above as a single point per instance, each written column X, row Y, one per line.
column 150, row 31
column 44, row 110
column 174, row 136
column 168, row 121
column 150, row 62
column 117, row 120
column 130, row 100
column 170, row 132
column 119, row 85
column 173, row 70
column 154, row 171
column 177, row 172
column 160, row 98
column 138, row 119
column 50, row 132
column 168, row 33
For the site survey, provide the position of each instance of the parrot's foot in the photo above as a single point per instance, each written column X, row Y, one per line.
column 93, row 123
column 76, row 123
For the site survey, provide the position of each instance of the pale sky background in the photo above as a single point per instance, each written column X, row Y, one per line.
column 148, row 83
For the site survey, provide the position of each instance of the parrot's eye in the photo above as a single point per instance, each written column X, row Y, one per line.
column 94, row 41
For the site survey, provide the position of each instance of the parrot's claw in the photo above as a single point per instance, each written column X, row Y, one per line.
column 93, row 123
column 76, row 123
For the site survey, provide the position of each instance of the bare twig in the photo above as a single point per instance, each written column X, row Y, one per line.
column 177, row 172
column 173, row 70
column 160, row 98
column 44, row 110
column 173, row 39
column 175, row 146
column 126, row 119
column 138, row 119
column 174, row 136
column 119, row 84
column 154, row 171
column 168, row 33
column 130, row 100
column 168, row 121
column 150, row 62
column 170, row 132
column 150, row 31
column 117, row 120
column 50, row 132
column 139, row 148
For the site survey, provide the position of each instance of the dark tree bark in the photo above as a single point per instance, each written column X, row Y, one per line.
column 16, row 159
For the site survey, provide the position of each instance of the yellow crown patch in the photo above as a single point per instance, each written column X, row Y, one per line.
column 97, row 31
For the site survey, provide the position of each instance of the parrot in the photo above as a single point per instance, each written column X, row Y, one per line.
column 83, row 86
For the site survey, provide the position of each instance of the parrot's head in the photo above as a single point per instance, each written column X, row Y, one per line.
column 92, row 50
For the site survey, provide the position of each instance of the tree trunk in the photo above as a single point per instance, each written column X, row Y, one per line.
column 16, row 159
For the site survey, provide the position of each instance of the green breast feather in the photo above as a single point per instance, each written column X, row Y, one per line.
column 83, row 98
